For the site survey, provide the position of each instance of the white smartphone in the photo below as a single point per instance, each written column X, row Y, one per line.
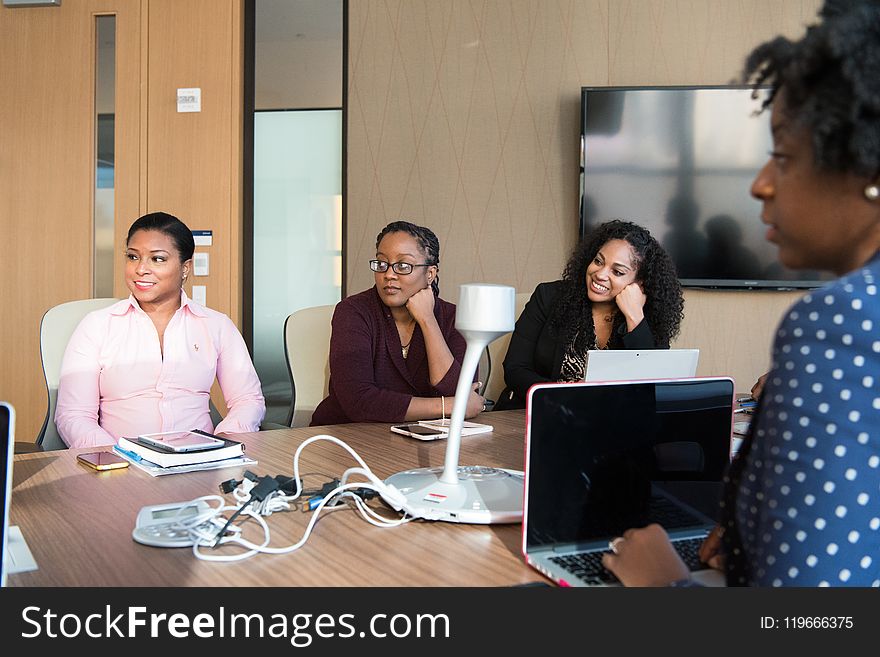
column 181, row 441
column 418, row 431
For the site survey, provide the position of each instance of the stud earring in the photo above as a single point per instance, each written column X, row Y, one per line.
column 872, row 192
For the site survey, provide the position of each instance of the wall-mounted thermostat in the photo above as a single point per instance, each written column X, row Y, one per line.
column 189, row 100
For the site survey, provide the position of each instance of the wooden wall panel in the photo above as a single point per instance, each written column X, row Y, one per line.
column 187, row 164
column 194, row 159
column 464, row 116
column 47, row 176
column 193, row 165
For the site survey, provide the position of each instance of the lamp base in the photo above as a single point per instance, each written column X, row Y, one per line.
column 482, row 496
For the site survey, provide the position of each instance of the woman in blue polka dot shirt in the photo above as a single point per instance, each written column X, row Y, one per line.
column 802, row 506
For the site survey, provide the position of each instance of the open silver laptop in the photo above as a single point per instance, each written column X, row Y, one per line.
column 602, row 458
column 630, row 364
column 7, row 439
column 15, row 556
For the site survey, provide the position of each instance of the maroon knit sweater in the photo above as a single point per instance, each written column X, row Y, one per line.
column 369, row 379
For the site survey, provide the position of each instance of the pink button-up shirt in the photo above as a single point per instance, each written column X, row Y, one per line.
column 115, row 381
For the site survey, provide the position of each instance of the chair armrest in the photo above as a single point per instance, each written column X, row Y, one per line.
column 269, row 426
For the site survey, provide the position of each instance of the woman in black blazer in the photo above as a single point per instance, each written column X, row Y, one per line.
column 619, row 290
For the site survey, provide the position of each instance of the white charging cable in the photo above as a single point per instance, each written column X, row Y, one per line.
column 277, row 501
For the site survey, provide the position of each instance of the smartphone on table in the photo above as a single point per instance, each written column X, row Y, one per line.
column 102, row 460
column 181, row 441
column 418, row 431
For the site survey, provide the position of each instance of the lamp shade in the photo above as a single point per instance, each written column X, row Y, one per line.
column 485, row 310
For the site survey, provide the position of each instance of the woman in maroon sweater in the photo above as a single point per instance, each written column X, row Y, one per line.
column 394, row 352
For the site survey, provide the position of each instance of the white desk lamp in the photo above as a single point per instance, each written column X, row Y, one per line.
column 469, row 494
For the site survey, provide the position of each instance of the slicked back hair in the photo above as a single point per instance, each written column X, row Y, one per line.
column 169, row 225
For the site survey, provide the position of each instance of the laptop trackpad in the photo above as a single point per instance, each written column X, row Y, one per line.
column 709, row 577
column 19, row 554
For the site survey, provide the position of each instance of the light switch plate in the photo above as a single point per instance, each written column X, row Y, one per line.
column 200, row 294
column 200, row 264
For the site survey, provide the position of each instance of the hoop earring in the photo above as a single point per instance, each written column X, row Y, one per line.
column 872, row 192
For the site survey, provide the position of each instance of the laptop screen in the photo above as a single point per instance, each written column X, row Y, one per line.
column 6, row 440
column 603, row 458
column 629, row 364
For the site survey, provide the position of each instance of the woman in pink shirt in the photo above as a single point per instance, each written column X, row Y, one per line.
column 147, row 364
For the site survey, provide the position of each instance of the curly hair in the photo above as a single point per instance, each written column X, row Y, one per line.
column 426, row 239
column 572, row 316
column 830, row 80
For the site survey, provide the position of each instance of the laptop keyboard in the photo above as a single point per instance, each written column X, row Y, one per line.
column 670, row 515
column 588, row 567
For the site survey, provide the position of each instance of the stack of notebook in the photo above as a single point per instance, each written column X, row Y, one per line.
column 157, row 462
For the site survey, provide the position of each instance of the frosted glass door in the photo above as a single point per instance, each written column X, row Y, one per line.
column 297, row 232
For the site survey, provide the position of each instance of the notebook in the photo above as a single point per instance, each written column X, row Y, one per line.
column 602, row 458
column 132, row 448
column 630, row 364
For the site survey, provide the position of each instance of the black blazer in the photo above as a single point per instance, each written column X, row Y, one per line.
column 536, row 350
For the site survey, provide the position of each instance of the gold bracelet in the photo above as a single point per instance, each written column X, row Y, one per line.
column 443, row 407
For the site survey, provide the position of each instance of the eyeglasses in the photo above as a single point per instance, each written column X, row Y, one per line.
column 402, row 268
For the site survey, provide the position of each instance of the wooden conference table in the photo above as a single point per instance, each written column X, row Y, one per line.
column 78, row 522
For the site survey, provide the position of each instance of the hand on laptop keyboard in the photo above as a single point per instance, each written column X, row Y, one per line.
column 646, row 557
column 587, row 566
column 711, row 552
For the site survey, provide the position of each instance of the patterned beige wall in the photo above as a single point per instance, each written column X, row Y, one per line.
column 464, row 116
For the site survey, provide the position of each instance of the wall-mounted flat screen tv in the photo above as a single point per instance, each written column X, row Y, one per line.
column 680, row 161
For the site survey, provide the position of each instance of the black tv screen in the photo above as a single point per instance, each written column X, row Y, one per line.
column 680, row 161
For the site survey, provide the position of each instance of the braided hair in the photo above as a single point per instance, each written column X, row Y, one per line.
column 572, row 316
column 831, row 83
column 425, row 238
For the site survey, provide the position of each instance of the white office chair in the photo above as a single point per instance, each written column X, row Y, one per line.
column 307, row 350
column 56, row 327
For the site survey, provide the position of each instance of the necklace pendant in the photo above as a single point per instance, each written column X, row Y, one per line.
column 405, row 351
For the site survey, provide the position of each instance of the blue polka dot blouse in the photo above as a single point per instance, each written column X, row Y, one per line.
column 803, row 502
